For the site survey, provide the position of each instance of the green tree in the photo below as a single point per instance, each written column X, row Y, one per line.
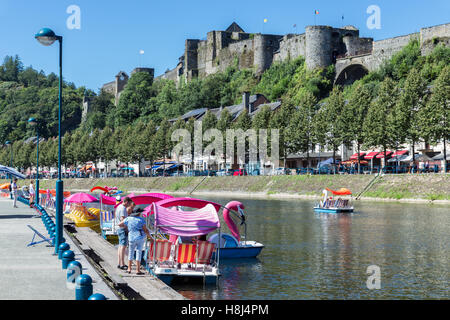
column 150, row 153
column 354, row 114
column 133, row 99
column 300, row 128
column 161, row 141
column 106, row 146
column 435, row 114
column 378, row 125
column 332, row 123
column 11, row 68
column 406, row 124
column 137, row 143
column 280, row 121
column 67, row 156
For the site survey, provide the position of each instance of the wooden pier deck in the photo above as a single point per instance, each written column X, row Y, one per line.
column 105, row 255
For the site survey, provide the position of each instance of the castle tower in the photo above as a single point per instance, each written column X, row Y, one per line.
column 86, row 108
column 120, row 82
column 264, row 48
column 191, row 58
column 319, row 46
column 150, row 71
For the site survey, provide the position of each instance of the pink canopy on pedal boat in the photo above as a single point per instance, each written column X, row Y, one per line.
column 186, row 223
column 148, row 198
column 183, row 202
column 81, row 198
column 156, row 194
column 108, row 200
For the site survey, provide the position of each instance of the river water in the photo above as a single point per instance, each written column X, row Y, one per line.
column 311, row 255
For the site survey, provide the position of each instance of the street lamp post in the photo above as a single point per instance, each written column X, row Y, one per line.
column 34, row 122
column 9, row 143
column 47, row 37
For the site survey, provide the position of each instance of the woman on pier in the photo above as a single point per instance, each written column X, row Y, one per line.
column 137, row 231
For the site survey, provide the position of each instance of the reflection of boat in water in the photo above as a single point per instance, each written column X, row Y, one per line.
column 230, row 246
column 332, row 205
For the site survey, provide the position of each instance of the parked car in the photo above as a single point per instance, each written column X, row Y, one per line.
column 280, row 171
column 240, row 172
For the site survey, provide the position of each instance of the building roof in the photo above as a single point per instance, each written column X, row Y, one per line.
column 273, row 106
column 196, row 114
column 234, row 27
column 234, row 110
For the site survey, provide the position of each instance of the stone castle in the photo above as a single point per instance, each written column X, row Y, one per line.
column 321, row 46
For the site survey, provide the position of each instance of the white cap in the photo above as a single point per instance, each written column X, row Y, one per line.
column 118, row 198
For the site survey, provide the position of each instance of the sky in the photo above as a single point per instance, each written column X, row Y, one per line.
column 112, row 33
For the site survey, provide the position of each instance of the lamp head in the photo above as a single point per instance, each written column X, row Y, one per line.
column 32, row 121
column 46, row 36
column 8, row 142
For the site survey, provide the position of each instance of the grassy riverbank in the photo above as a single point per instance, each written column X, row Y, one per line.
column 398, row 187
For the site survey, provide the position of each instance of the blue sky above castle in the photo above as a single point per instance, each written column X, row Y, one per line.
column 113, row 32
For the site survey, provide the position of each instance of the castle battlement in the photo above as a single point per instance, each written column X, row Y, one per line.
column 321, row 46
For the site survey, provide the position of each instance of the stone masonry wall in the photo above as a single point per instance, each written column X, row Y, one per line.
column 291, row 47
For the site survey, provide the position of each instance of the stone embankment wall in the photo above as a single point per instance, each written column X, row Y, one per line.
column 402, row 186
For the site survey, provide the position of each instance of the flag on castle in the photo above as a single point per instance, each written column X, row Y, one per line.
column 141, row 51
column 265, row 20
column 316, row 12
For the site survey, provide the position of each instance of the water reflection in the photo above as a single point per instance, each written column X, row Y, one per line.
column 311, row 255
column 325, row 256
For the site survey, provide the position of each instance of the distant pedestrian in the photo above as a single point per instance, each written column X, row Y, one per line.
column 14, row 192
column 137, row 231
column 32, row 193
column 122, row 232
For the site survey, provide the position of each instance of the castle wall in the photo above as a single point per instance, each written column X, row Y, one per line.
column 291, row 47
column 169, row 75
column 357, row 46
column 201, row 58
column 321, row 46
column 244, row 50
column 440, row 31
column 385, row 49
column 110, row 87
column 430, row 37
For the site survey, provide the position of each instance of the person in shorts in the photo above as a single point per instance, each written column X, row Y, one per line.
column 14, row 192
column 32, row 193
column 137, row 231
column 120, row 215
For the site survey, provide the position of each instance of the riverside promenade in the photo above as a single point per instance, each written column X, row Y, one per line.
column 34, row 273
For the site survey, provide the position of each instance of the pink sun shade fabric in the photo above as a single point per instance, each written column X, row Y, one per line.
column 182, row 202
column 108, row 200
column 143, row 199
column 159, row 195
column 81, row 198
column 186, row 223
